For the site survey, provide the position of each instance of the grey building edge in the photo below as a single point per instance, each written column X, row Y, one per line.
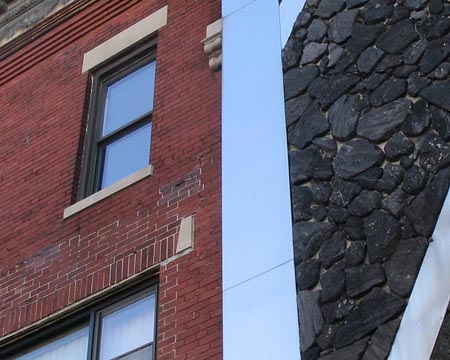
column 367, row 108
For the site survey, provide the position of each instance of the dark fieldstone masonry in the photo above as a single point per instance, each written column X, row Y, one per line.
column 368, row 114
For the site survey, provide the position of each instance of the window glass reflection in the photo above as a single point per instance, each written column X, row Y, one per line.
column 127, row 329
column 126, row 155
column 129, row 98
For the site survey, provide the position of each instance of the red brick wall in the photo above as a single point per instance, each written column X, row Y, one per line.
column 47, row 263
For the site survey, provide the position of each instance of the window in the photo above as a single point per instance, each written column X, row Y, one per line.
column 120, row 121
column 123, row 330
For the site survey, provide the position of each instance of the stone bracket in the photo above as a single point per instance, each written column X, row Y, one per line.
column 213, row 45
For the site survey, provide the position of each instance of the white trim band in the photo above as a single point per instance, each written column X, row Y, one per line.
column 429, row 299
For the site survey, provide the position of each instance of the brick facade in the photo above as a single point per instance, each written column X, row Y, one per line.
column 48, row 263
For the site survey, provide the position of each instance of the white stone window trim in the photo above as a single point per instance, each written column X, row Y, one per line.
column 108, row 191
column 125, row 39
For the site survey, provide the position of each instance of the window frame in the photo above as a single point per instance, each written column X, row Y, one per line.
column 101, row 78
column 89, row 317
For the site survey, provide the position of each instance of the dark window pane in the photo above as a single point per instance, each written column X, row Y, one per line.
column 126, row 155
column 127, row 329
column 70, row 347
column 142, row 354
column 129, row 98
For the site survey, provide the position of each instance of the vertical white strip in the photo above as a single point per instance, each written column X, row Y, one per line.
column 289, row 10
column 429, row 299
column 260, row 311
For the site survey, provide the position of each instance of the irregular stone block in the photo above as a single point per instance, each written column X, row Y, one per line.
column 395, row 203
column 437, row 93
column 441, row 72
column 388, row 91
column 307, row 274
column 312, row 52
column 335, row 53
column 337, row 214
column 413, row 54
column 365, row 202
column 321, row 192
column 343, row 116
column 301, row 202
column 317, row 30
column 343, row 191
column 424, row 210
column 368, row 59
column 309, row 237
column 354, row 228
column 296, row 107
column 371, row 82
column 291, row 53
column 398, row 37
column 402, row 268
column 415, row 4
column 310, row 317
column 328, row 8
column 392, row 176
column 360, row 279
column 381, row 342
column 382, row 235
column 325, row 170
column 436, row 6
column 355, row 253
column 326, row 144
column 403, row 72
column 328, row 90
column 416, row 83
column 352, row 352
column 377, row 10
column 434, row 27
column 336, row 311
column 297, row 80
column 441, row 122
column 326, row 338
column 310, row 125
column 333, row 283
column 332, row 250
column 434, row 153
column 303, row 163
column 341, row 26
column 435, row 53
column 379, row 123
column 363, row 36
column 398, row 146
column 374, row 310
column 356, row 156
column 414, row 180
column 369, row 178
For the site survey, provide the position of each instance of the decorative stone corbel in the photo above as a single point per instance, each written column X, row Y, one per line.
column 213, row 45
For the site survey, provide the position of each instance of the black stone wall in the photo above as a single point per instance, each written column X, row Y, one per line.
column 367, row 108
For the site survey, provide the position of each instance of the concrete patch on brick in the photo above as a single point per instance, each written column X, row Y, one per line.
column 186, row 234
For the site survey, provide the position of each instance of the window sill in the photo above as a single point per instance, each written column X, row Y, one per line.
column 106, row 192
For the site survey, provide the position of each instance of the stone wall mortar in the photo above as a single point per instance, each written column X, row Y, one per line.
column 368, row 117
